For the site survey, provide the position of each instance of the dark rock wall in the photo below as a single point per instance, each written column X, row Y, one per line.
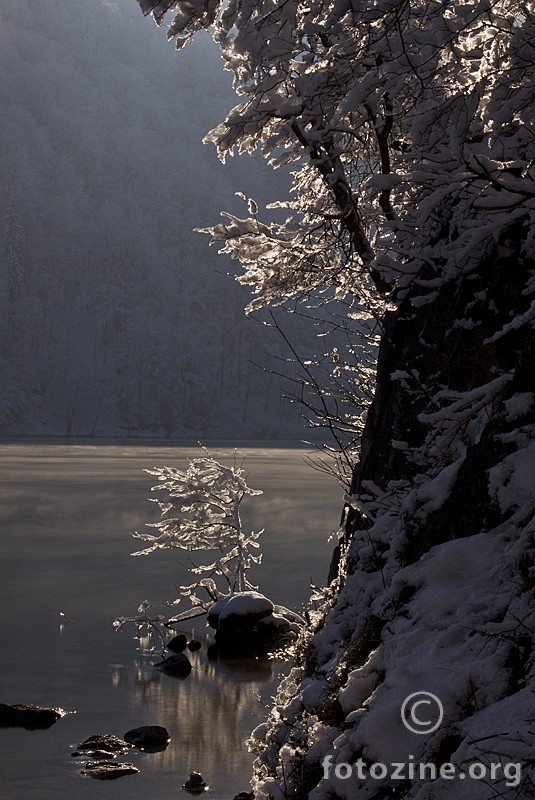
column 444, row 345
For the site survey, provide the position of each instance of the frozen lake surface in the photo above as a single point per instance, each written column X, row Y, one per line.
column 66, row 512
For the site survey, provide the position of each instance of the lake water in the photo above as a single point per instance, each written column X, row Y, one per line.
column 66, row 511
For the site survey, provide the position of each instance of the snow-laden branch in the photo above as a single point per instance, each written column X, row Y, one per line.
column 402, row 130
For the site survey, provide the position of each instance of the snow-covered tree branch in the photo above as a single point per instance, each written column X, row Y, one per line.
column 398, row 123
column 201, row 513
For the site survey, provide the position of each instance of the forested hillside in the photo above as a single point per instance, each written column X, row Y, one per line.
column 115, row 318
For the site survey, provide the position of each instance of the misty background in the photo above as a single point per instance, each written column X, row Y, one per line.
column 116, row 319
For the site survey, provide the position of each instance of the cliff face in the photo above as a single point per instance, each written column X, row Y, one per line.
column 444, row 369
column 435, row 585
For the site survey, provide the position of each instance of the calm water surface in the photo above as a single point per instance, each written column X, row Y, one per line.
column 65, row 516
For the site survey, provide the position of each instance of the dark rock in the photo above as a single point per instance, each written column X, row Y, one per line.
column 274, row 627
column 178, row 665
column 247, row 625
column 148, row 737
column 195, row 783
column 194, row 645
column 212, row 619
column 102, row 745
column 28, row 716
column 108, row 770
column 417, row 341
column 104, row 754
column 243, row 647
column 244, row 796
column 272, row 632
column 237, row 627
column 178, row 643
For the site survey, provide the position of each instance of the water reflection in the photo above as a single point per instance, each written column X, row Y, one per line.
column 208, row 713
column 65, row 515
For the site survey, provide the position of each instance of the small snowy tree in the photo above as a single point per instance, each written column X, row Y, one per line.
column 201, row 512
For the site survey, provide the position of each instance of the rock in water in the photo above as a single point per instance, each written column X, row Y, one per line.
column 28, row 716
column 108, row 770
column 247, row 623
column 238, row 611
column 178, row 643
column 195, row 783
column 178, row 665
column 102, row 745
column 148, row 737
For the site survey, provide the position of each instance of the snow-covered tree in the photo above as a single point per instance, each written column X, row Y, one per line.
column 201, row 513
column 411, row 148
column 409, row 127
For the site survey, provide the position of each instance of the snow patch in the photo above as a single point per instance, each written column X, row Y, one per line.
column 241, row 604
column 518, row 405
column 512, row 481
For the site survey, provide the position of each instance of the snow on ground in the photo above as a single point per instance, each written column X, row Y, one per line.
column 457, row 623
column 241, row 604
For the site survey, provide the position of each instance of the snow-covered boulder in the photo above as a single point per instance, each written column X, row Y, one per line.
column 239, row 610
column 248, row 622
